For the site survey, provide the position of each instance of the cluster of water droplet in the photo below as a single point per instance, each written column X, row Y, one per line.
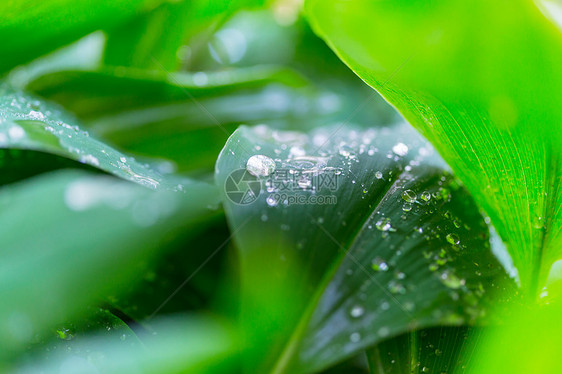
column 27, row 123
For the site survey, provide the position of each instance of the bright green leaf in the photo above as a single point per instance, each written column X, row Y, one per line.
column 31, row 28
column 481, row 80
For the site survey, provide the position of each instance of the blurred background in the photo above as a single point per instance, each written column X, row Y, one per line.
column 166, row 83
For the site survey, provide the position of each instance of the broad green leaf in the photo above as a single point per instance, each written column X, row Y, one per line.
column 183, row 280
column 153, row 40
column 176, row 116
column 528, row 342
column 192, row 344
column 436, row 350
column 31, row 28
column 68, row 336
column 27, row 123
column 71, row 238
column 481, row 80
column 108, row 90
column 355, row 237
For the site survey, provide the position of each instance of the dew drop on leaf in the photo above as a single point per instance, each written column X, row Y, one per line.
column 379, row 264
column 452, row 238
column 409, row 196
column 355, row 337
column 260, row 165
column 357, row 311
column 425, row 196
column 400, row 149
column 383, row 224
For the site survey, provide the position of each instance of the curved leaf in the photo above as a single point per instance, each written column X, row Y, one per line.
column 91, row 93
column 70, row 238
column 481, row 80
column 31, row 28
column 177, row 117
column 437, row 350
column 31, row 124
column 182, row 345
column 394, row 244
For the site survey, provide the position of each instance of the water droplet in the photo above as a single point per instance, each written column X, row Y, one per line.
column 451, row 280
column 271, row 200
column 200, row 79
column 260, row 165
column 378, row 175
column 346, row 151
column 379, row 264
column 400, row 149
column 383, row 224
column 425, row 196
column 407, row 207
column 453, row 238
column 409, row 196
column 36, row 115
column 65, row 334
column 383, row 332
column 396, row 288
column 16, row 133
column 357, row 311
column 355, row 337
column 538, row 223
column 89, row 159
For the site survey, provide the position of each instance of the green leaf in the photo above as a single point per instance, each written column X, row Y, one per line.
column 192, row 344
column 69, row 336
column 30, row 124
column 481, row 80
column 153, row 40
column 182, row 280
column 528, row 341
column 91, row 94
column 436, row 350
column 177, row 117
column 355, row 237
column 29, row 29
column 71, row 238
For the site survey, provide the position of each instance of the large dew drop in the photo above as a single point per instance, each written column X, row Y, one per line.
column 260, row 165
column 400, row 149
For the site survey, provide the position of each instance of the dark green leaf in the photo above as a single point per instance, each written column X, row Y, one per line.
column 30, row 124
column 71, row 238
column 433, row 351
column 191, row 344
column 172, row 116
column 396, row 244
